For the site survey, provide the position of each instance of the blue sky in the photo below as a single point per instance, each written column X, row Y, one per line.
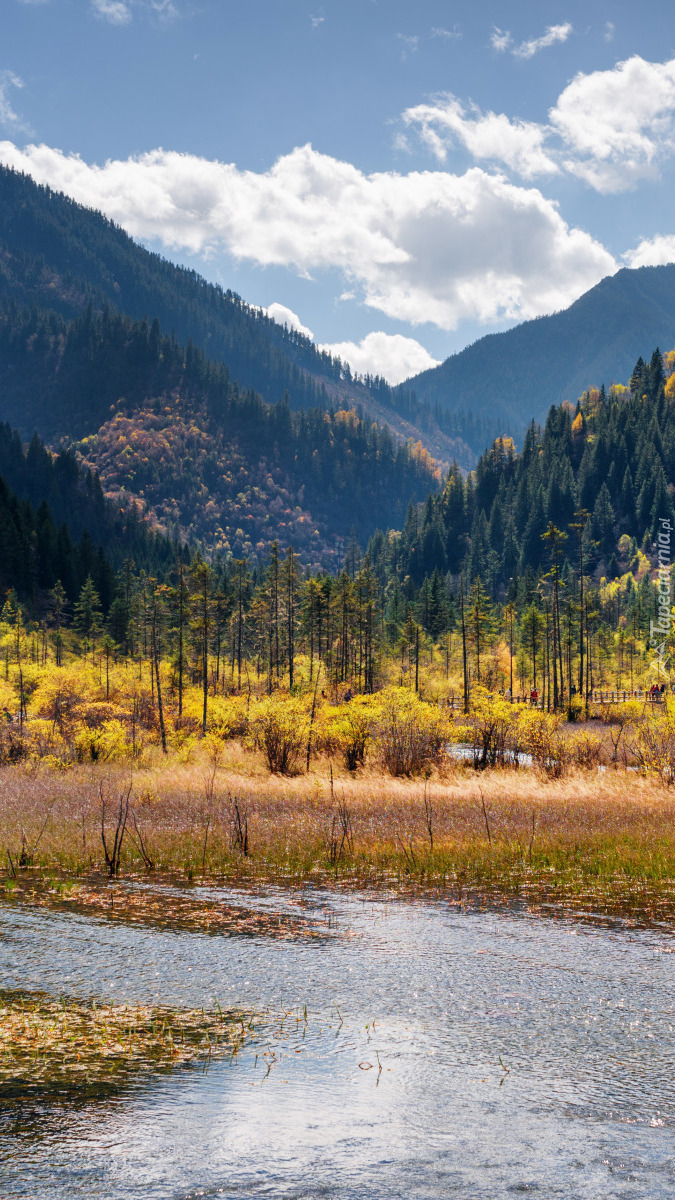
column 402, row 177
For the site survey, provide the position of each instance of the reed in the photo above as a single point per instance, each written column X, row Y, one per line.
column 188, row 821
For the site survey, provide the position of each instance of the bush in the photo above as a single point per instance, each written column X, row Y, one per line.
column 347, row 729
column 13, row 745
column 543, row 740
column 106, row 743
column 229, row 716
column 411, row 734
column 585, row 749
column 653, row 744
column 279, row 727
column 59, row 698
column 494, row 729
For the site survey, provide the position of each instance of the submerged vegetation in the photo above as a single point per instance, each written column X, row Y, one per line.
column 68, row 1044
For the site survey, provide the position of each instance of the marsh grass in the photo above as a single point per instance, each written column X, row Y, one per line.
column 67, row 1044
column 513, row 828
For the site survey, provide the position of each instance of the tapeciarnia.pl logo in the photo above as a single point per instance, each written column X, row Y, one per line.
column 661, row 628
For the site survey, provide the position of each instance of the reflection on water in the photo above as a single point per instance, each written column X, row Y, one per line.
column 517, row 1055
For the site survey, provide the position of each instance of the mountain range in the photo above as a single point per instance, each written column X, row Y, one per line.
column 515, row 377
column 58, row 255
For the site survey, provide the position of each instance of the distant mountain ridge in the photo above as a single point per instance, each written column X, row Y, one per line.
column 516, row 376
column 56, row 254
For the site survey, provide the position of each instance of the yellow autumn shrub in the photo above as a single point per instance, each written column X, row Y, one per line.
column 585, row 749
column 61, row 693
column 495, row 729
column 108, row 742
column 411, row 734
column 228, row 716
column 8, row 697
column 347, row 729
column 541, row 736
column 653, row 741
column 279, row 726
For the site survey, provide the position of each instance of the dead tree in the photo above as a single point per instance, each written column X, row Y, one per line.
column 239, row 829
column 113, row 853
column 341, row 835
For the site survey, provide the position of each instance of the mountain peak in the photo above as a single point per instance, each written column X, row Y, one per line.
column 514, row 377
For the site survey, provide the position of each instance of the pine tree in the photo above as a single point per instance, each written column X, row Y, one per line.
column 202, row 590
column 556, row 539
column 58, row 602
column 480, row 623
column 87, row 615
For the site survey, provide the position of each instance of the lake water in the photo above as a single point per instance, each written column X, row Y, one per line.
column 519, row 1055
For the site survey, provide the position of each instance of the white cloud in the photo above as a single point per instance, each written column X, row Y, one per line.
column 401, row 143
column 454, row 34
column 554, row 33
column 165, row 9
column 652, row 252
column 608, row 35
column 423, row 246
column 121, row 12
column 500, row 39
column 609, row 128
column 8, row 116
column 518, row 144
column 316, row 21
column 286, row 316
column 392, row 356
column 116, row 12
column 617, row 124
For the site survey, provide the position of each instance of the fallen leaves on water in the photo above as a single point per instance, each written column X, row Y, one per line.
column 165, row 907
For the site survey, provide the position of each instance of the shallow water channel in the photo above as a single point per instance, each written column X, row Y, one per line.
column 519, row 1054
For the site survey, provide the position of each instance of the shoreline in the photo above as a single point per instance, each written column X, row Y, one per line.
column 167, row 902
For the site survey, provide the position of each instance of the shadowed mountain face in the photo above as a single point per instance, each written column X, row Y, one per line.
column 516, row 376
column 225, row 427
column 165, row 426
column 57, row 255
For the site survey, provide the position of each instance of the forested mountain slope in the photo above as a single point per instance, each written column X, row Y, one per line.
column 58, row 255
column 163, row 424
column 57, row 526
column 611, row 457
column 514, row 377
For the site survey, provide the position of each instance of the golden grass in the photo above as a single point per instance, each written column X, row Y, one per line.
column 612, row 825
column 66, row 1043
